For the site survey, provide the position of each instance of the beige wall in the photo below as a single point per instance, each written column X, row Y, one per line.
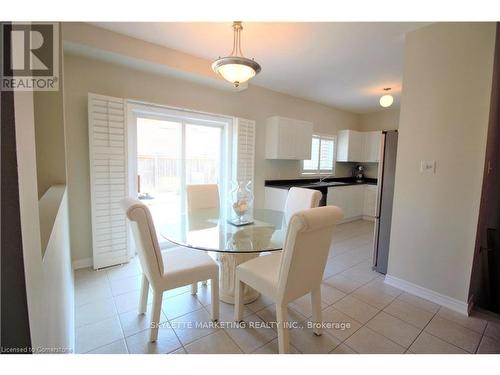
column 387, row 119
column 444, row 117
column 49, row 133
column 83, row 75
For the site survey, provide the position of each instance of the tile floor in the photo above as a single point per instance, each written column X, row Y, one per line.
column 368, row 315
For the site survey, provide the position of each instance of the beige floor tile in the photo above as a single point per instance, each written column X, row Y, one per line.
column 330, row 295
column 125, row 285
column 130, row 301
column 215, row 343
column 307, row 342
column 493, row 330
column 178, row 351
column 454, row 333
column 95, row 335
column 132, row 322
column 339, row 325
column 95, row 282
column 260, row 303
column 193, row 326
column 334, row 267
column 356, row 309
column 343, row 283
column 123, row 271
column 167, row 342
column 179, row 305
column 489, row 346
column 226, row 311
column 343, row 349
column 429, row 344
column 251, row 334
column 117, row 347
column 268, row 314
column 362, row 273
column 373, row 296
column 92, row 294
column 409, row 313
column 303, row 305
column 272, row 348
column 419, row 302
column 204, row 294
column 393, row 328
column 94, row 312
column 378, row 283
column 471, row 322
column 366, row 341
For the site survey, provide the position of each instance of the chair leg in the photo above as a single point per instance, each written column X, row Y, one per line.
column 316, row 311
column 143, row 302
column 282, row 321
column 215, row 298
column 194, row 288
column 155, row 318
column 238, row 300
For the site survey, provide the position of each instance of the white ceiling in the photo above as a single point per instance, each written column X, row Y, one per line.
column 344, row 65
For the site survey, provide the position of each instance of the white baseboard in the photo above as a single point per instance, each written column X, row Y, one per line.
column 82, row 263
column 440, row 299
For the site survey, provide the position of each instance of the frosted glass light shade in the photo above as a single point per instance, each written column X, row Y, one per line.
column 236, row 69
column 386, row 100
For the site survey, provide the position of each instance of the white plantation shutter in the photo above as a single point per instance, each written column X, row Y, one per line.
column 244, row 150
column 108, row 179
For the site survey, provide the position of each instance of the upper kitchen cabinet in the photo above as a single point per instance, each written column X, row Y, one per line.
column 349, row 145
column 357, row 146
column 288, row 138
column 371, row 146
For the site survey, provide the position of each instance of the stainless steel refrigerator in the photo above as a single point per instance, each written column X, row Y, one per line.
column 385, row 193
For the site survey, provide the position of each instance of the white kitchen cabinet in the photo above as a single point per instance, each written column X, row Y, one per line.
column 349, row 145
column 288, row 138
column 357, row 201
column 370, row 202
column 371, row 146
column 275, row 198
column 354, row 146
column 349, row 198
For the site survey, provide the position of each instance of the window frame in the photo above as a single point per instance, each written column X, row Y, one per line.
column 318, row 171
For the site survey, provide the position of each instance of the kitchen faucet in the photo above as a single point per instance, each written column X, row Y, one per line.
column 324, row 178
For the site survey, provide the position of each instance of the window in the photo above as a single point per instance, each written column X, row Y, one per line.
column 322, row 159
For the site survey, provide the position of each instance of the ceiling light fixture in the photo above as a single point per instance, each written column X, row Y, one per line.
column 387, row 99
column 236, row 68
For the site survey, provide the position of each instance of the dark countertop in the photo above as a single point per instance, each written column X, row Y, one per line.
column 313, row 182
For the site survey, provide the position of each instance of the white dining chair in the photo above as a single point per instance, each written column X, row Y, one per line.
column 168, row 269
column 299, row 199
column 199, row 197
column 290, row 274
column 202, row 196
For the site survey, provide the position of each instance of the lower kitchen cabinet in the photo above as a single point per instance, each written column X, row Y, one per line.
column 357, row 201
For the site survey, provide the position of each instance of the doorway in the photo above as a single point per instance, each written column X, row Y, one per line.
column 172, row 149
column 485, row 279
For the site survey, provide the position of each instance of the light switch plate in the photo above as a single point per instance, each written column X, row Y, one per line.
column 428, row 166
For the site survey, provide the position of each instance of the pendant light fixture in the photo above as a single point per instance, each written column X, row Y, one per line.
column 387, row 99
column 236, row 68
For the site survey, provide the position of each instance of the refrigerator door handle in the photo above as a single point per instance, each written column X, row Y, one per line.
column 375, row 242
column 380, row 173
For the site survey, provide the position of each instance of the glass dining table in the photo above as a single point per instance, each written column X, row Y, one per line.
column 210, row 230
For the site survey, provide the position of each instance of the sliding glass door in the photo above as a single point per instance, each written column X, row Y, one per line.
column 174, row 150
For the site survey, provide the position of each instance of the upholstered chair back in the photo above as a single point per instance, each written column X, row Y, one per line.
column 305, row 250
column 299, row 199
column 146, row 241
column 202, row 196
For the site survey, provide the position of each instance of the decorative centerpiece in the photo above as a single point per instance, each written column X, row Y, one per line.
column 241, row 203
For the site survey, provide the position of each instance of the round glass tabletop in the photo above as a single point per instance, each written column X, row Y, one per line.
column 210, row 230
